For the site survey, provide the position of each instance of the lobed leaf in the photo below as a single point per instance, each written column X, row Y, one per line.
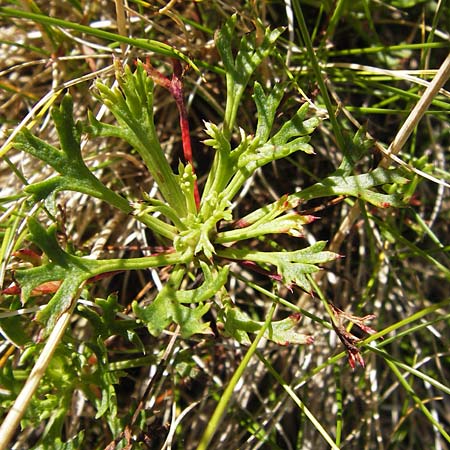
column 359, row 186
column 168, row 306
column 266, row 106
column 297, row 126
column 132, row 106
column 239, row 69
column 68, row 162
column 72, row 271
column 291, row 224
column 291, row 266
column 283, row 332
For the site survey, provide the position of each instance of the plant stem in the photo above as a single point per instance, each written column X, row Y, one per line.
column 214, row 423
column 175, row 87
column 98, row 267
column 324, row 301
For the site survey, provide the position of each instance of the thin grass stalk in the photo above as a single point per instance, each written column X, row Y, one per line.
column 224, row 402
column 299, row 403
column 145, row 44
column 417, row 400
column 418, row 111
column 319, row 77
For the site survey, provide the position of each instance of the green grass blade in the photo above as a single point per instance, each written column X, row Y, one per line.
column 145, row 44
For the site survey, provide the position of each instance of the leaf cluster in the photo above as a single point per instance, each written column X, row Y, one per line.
column 197, row 245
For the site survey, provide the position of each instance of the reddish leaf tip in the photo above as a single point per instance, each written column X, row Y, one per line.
column 14, row 289
column 310, row 218
column 296, row 317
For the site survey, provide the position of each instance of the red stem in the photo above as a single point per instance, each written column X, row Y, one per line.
column 175, row 87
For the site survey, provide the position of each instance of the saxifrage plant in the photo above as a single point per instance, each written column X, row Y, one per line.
column 190, row 225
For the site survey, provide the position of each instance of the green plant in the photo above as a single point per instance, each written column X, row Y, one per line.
column 203, row 239
column 193, row 235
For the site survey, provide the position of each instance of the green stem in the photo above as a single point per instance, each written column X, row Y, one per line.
column 99, row 267
column 387, row 49
column 282, row 301
column 324, row 301
column 235, row 184
column 339, row 404
column 319, row 77
column 218, row 177
column 298, row 402
column 338, row 8
column 215, row 420
column 234, row 95
column 151, row 152
column 158, row 226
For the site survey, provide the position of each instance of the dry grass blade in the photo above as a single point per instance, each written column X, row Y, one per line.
column 413, row 119
column 17, row 411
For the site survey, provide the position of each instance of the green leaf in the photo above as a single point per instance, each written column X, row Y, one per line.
column 292, row 266
column 266, row 106
column 191, row 320
column 108, row 402
column 217, row 140
column 55, row 393
column 223, row 166
column 187, row 179
column 132, row 106
column 159, row 314
column 105, row 380
column 238, row 324
column 291, row 224
column 239, row 69
column 251, row 160
column 252, row 153
column 66, row 294
column 359, row 186
column 165, row 309
column 68, row 162
column 212, row 283
column 283, row 332
column 168, row 306
column 108, row 324
column 297, row 126
column 47, row 242
column 72, row 271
